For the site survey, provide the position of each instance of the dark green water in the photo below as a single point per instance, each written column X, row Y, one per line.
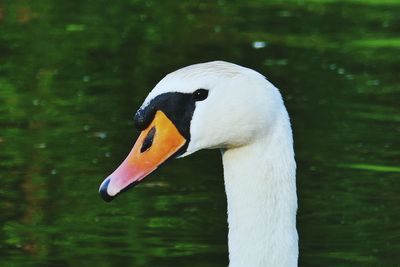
column 72, row 74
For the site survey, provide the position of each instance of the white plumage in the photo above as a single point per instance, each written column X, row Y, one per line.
column 245, row 117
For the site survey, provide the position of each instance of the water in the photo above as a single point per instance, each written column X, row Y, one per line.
column 73, row 73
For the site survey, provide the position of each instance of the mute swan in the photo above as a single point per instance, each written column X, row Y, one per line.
column 233, row 108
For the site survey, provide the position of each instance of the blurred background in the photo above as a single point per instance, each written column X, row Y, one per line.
column 73, row 73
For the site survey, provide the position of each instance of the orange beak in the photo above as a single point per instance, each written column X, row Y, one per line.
column 158, row 142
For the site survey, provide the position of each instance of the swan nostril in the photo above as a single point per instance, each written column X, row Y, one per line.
column 148, row 141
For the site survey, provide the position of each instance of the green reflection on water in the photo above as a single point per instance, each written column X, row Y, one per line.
column 73, row 73
column 377, row 168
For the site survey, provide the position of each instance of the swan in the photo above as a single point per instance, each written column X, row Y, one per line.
column 237, row 110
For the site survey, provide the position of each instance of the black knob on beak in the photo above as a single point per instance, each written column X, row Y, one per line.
column 144, row 116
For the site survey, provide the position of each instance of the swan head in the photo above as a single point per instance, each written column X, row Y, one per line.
column 202, row 106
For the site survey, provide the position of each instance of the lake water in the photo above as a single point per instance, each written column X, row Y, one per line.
column 72, row 74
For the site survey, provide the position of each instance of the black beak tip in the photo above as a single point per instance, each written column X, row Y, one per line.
column 103, row 191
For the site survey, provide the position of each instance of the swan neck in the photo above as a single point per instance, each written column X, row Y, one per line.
column 261, row 194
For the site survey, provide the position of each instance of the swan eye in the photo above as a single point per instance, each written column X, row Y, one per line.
column 200, row 94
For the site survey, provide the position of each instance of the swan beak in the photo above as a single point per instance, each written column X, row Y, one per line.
column 158, row 142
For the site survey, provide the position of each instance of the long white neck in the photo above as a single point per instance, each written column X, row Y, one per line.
column 260, row 184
